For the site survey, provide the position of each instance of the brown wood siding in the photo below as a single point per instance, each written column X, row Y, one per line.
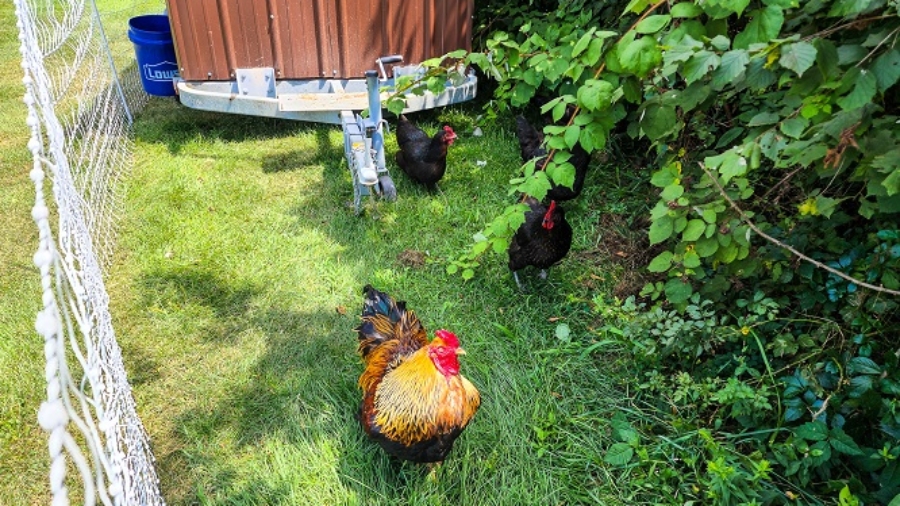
column 304, row 39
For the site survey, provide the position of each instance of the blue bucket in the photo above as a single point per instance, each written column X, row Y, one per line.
column 155, row 52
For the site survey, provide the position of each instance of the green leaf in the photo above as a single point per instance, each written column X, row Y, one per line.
column 764, row 118
column 826, row 205
column 848, row 8
column 468, row 274
column 887, row 69
column 691, row 259
column 637, row 6
column 683, row 51
column 672, row 192
column 685, row 10
column 593, row 136
column 733, row 65
column 571, row 136
column 784, row 4
column 798, row 56
column 862, row 365
column 693, row 95
column 522, row 93
column 758, row 76
column 537, row 185
column 862, row 92
column 843, row 443
column 729, row 164
column 892, row 182
column 582, row 43
column 735, row 6
column 701, row 64
column 664, row 176
column 396, row 106
column 894, row 502
column 562, row 173
column 765, row 26
column 653, row 24
column 641, row 56
column 706, row 247
column 725, row 141
column 812, row 431
column 794, row 127
column 618, row 454
column 678, row 291
column 860, row 385
column 452, row 269
column 661, row 262
column 661, row 229
column 595, row 94
column 658, row 121
column 593, row 53
column 694, row 230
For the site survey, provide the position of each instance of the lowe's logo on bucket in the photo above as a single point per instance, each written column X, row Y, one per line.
column 162, row 71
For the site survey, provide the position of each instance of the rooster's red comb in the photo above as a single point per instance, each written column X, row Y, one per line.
column 448, row 337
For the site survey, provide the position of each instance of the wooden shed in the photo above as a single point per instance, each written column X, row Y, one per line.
column 312, row 39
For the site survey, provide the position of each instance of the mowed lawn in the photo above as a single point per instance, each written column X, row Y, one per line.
column 235, row 289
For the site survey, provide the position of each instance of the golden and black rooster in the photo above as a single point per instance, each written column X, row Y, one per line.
column 415, row 403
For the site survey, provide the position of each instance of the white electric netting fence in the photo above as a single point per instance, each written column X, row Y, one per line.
column 81, row 87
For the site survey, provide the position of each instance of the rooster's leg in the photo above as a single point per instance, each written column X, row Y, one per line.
column 433, row 470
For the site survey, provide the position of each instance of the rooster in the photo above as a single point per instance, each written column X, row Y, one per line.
column 543, row 240
column 415, row 403
column 531, row 145
column 423, row 158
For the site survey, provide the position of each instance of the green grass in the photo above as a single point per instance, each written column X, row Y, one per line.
column 240, row 287
column 237, row 284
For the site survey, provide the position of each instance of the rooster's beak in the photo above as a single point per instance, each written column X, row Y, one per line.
column 460, row 351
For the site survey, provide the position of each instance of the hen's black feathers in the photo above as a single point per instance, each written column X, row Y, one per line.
column 535, row 245
column 422, row 158
column 531, row 145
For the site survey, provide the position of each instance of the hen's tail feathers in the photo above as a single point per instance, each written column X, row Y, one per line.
column 380, row 315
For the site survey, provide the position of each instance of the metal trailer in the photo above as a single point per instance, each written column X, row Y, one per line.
column 241, row 57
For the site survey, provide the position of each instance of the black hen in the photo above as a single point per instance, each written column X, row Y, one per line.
column 543, row 240
column 423, row 158
column 531, row 144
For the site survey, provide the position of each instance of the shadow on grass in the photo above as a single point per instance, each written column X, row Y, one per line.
column 326, row 152
column 166, row 121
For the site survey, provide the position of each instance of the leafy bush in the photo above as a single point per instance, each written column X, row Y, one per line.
column 766, row 339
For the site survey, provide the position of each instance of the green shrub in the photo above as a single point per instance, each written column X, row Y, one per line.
column 766, row 345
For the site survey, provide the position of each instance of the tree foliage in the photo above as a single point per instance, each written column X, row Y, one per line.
column 775, row 140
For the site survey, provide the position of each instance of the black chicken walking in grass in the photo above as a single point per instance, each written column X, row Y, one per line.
column 423, row 158
column 543, row 240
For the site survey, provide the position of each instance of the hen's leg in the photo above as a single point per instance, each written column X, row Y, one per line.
column 518, row 283
column 543, row 274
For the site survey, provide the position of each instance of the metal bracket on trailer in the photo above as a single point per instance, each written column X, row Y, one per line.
column 315, row 100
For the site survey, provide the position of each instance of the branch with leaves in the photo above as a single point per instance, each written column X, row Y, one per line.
column 746, row 219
